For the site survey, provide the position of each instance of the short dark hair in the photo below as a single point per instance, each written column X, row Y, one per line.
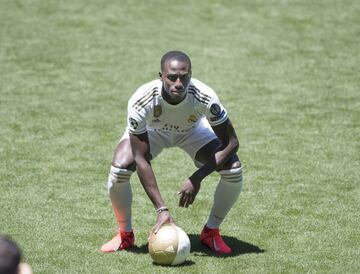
column 10, row 255
column 177, row 55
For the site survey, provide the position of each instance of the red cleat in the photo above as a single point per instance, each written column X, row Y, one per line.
column 212, row 239
column 122, row 240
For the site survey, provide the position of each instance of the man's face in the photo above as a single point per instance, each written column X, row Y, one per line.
column 176, row 77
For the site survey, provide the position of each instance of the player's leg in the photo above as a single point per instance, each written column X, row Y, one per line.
column 119, row 189
column 225, row 196
column 228, row 188
column 230, row 183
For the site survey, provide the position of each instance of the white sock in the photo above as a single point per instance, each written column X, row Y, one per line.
column 226, row 194
column 119, row 189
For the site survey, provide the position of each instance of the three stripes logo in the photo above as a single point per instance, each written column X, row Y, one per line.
column 146, row 99
column 198, row 95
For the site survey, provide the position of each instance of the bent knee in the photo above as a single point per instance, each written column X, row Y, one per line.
column 233, row 175
column 117, row 178
column 235, row 165
column 119, row 175
column 232, row 163
column 124, row 165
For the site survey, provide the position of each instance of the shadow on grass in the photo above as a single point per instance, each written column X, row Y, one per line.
column 184, row 264
column 238, row 247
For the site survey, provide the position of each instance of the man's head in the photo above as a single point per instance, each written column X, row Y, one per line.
column 10, row 256
column 175, row 75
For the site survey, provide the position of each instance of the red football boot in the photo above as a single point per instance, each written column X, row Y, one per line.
column 122, row 240
column 212, row 239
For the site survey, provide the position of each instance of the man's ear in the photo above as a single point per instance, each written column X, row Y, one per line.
column 160, row 75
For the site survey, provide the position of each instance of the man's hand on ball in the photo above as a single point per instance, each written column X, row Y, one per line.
column 163, row 217
column 188, row 192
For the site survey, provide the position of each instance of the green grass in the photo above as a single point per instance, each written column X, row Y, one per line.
column 288, row 74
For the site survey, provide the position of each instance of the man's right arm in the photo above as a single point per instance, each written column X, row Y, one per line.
column 141, row 151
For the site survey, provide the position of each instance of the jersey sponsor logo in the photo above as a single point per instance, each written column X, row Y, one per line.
column 133, row 123
column 173, row 129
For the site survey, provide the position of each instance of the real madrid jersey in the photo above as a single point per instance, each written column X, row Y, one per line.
column 147, row 110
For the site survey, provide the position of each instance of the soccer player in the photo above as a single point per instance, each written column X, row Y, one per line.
column 175, row 110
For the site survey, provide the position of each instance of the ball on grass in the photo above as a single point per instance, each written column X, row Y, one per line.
column 169, row 246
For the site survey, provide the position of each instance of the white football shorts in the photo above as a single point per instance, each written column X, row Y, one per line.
column 190, row 142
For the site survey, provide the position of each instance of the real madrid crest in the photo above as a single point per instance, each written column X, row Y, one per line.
column 157, row 111
column 192, row 119
column 157, row 107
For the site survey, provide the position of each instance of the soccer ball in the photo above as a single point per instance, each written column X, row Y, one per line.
column 169, row 246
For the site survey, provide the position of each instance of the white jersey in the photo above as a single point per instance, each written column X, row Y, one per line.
column 147, row 110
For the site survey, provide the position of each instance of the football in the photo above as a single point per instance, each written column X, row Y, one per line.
column 170, row 246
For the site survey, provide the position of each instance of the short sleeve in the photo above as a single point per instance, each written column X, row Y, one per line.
column 216, row 113
column 136, row 120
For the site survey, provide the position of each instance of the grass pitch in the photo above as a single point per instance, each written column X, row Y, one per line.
column 288, row 74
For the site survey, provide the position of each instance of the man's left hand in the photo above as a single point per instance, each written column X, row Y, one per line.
column 188, row 192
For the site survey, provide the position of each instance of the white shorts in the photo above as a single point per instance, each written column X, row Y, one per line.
column 190, row 142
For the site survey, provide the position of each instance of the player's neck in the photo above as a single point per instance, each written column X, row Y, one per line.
column 168, row 99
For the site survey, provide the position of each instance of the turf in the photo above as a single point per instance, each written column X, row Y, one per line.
column 288, row 74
